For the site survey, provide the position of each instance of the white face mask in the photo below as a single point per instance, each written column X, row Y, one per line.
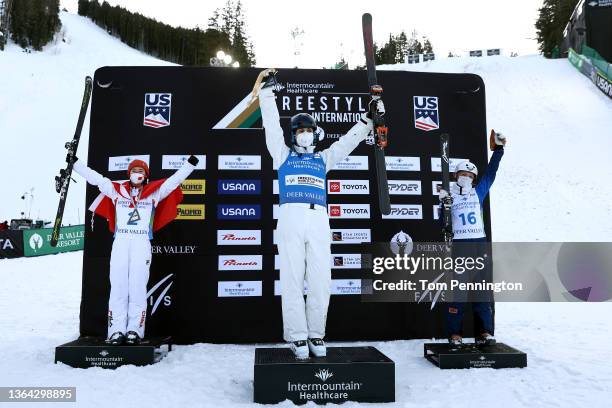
column 137, row 178
column 464, row 182
column 305, row 139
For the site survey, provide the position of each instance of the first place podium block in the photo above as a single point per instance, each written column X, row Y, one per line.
column 86, row 352
column 361, row 374
column 468, row 355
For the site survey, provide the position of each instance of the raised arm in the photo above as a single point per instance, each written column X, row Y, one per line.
column 177, row 178
column 275, row 142
column 347, row 143
column 485, row 183
column 104, row 184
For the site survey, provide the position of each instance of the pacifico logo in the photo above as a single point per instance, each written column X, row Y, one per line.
column 190, row 212
column 193, row 186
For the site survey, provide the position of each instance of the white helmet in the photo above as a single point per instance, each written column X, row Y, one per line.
column 467, row 166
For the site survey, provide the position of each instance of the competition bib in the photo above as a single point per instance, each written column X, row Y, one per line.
column 467, row 216
column 301, row 179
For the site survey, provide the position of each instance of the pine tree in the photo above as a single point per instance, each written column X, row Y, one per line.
column 554, row 16
column 427, row 47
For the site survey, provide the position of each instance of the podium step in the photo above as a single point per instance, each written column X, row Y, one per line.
column 470, row 355
column 88, row 352
column 361, row 374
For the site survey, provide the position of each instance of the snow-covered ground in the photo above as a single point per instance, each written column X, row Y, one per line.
column 567, row 345
column 553, row 185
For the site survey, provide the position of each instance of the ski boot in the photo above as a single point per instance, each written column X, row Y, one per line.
column 116, row 339
column 317, row 347
column 456, row 341
column 300, row 349
column 485, row 339
column 132, row 338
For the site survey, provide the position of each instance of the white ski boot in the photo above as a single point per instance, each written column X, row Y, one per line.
column 485, row 340
column 300, row 349
column 317, row 347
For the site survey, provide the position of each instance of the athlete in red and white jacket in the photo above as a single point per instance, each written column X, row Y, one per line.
column 134, row 210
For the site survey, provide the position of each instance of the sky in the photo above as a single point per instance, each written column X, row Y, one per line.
column 332, row 28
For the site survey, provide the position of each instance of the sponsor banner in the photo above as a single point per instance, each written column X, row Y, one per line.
column 403, row 163
column 345, row 261
column 190, row 212
column 405, row 211
column 348, row 186
column 305, row 180
column 277, row 288
column 404, row 187
column 238, row 211
column 193, row 186
column 175, row 162
column 603, row 83
column 121, row 163
column 346, row 287
column 239, row 288
column 275, row 209
column 239, row 187
column 275, row 237
column 239, row 162
column 426, row 115
column 436, row 212
column 157, row 108
column 238, row 237
column 352, row 163
column 240, row 262
column 350, row 236
column 37, row 241
column 11, row 244
column 348, row 210
column 277, row 262
column 436, row 186
column 437, row 166
column 275, row 186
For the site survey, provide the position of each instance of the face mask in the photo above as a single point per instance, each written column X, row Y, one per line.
column 137, row 178
column 305, row 139
column 464, row 182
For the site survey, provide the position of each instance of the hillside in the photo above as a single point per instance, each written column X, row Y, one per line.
column 553, row 174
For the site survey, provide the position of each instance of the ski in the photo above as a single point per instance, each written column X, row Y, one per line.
column 447, row 228
column 380, row 129
column 63, row 180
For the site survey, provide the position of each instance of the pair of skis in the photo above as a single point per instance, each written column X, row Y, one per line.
column 62, row 182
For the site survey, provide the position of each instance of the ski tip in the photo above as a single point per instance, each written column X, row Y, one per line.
column 366, row 17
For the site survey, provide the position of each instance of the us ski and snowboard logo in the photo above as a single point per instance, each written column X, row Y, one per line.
column 426, row 115
column 157, row 108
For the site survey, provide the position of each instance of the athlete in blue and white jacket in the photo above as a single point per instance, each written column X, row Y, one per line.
column 468, row 226
column 304, row 237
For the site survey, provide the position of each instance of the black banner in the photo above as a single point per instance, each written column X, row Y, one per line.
column 214, row 275
column 11, row 244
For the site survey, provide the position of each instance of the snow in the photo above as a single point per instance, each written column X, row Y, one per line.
column 40, row 95
column 553, row 185
column 567, row 345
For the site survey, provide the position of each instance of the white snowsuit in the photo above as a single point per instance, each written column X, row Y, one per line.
column 131, row 253
column 304, row 236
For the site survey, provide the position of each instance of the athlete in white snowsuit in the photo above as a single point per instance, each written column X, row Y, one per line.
column 131, row 252
column 304, row 236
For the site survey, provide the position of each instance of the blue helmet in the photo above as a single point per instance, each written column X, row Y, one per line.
column 302, row 121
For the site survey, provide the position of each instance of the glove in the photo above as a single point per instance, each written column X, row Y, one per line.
column 496, row 140
column 193, row 160
column 445, row 198
column 379, row 106
column 269, row 79
column 71, row 158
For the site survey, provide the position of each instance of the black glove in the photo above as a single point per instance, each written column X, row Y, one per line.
column 71, row 158
column 270, row 81
column 193, row 160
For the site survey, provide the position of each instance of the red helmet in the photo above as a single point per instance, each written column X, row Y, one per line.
column 138, row 163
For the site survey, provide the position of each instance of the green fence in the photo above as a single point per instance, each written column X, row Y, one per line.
column 36, row 242
column 598, row 61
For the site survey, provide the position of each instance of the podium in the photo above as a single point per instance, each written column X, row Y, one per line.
column 469, row 355
column 86, row 352
column 361, row 374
